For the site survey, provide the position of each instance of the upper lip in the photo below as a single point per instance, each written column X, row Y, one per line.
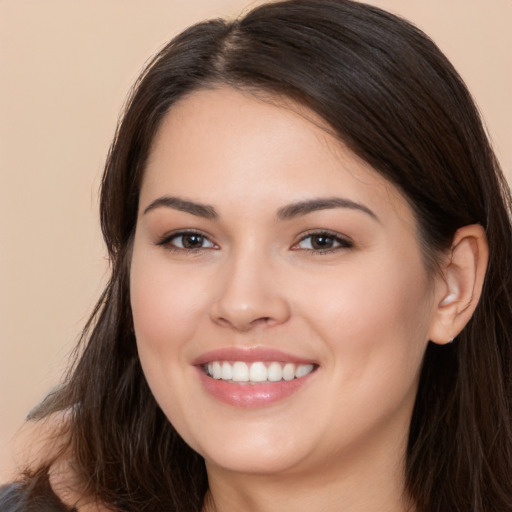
column 249, row 355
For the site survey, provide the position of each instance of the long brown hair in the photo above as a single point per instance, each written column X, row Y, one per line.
column 392, row 97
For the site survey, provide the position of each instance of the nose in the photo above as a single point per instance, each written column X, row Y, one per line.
column 250, row 294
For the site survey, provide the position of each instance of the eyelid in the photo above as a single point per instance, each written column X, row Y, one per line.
column 343, row 241
column 165, row 240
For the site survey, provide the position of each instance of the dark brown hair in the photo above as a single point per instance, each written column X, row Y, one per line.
column 392, row 97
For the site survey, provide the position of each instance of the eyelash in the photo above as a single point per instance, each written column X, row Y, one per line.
column 167, row 240
column 343, row 243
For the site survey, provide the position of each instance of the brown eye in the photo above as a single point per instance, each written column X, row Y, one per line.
column 320, row 242
column 192, row 241
column 187, row 241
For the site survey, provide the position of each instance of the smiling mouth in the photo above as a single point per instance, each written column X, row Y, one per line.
column 257, row 372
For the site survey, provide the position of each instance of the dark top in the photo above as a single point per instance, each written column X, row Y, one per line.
column 31, row 497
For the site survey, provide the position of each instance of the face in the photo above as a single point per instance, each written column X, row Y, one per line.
column 281, row 304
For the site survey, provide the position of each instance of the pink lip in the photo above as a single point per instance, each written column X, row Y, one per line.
column 251, row 395
column 248, row 395
column 249, row 355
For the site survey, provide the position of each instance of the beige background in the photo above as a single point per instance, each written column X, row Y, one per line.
column 65, row 68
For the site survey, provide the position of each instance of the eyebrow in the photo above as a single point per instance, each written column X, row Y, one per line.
column 198, row 209
column 304, row 207
column 287, row 212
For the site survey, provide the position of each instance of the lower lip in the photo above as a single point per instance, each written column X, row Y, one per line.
column 249, row 395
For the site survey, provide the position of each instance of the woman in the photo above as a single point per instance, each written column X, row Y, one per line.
column 310, row 300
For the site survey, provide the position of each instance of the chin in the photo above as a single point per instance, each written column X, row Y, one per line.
column 269, row 462
column 258, row 448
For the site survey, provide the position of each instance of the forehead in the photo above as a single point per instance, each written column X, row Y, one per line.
column 218, row 145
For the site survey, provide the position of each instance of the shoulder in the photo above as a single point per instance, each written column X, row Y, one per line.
column 30, row 497
column 66, row 485
column 46, row 480
column 30, row 450
column 37, row 494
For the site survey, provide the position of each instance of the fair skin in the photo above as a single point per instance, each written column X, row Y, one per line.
column 259, row 232
column 338, row 287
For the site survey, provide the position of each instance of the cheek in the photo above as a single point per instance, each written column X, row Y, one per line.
column 166, row 304
column 371, row 316
column 166, row 309
column 375, row 327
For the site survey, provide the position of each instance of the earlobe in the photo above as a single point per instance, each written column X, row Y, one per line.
column 460, row 284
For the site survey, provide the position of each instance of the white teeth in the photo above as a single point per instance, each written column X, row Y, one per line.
column 289, row 371
column 239, row 371
column 274, row 372
column 302, row 370
column 258, row 372
column 227, row 371
column 217, row 370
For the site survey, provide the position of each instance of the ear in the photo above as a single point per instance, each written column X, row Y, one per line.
column 459, row 287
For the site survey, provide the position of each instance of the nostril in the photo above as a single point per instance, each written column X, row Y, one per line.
column 241, row 325
column 243, row 313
